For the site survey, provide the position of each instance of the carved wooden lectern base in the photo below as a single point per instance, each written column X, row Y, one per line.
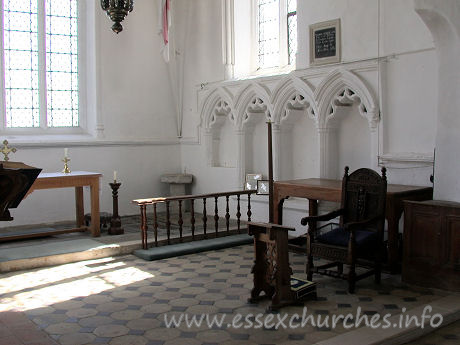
column 272, row 272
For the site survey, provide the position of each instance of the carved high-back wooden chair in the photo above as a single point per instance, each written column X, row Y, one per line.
column 360, row 231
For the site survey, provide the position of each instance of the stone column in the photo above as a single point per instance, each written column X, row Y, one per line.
column 327, row 152
column 443, row 20
column 374, row 131
column 228, row 38
column 241, row 158
column 276, row 137
column 208, row 144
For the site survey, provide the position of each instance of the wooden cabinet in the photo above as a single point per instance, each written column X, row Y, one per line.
column 431, row 255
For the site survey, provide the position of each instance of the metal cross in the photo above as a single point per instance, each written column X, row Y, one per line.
column 7, row 150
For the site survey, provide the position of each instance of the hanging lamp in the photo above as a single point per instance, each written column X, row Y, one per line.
column 117, row 10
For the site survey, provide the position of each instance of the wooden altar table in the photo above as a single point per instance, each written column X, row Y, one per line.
column 315, row 189
column 77, row 179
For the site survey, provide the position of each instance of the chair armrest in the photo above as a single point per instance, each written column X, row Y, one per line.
column 323, row 217
column 352, row 225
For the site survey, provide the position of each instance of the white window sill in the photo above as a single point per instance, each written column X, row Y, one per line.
column 47, row 139
column 75, row 140
column 268, row 72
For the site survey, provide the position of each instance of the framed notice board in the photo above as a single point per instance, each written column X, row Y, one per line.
column 325, row 42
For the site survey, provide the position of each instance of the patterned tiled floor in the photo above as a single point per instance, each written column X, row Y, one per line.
column 449, row 335
column 125, row 300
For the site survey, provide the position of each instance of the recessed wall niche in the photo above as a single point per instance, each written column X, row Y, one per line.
column 256, row 138
column 220, row 136
column 353, row 141
column 298, row 147
column 223, row 145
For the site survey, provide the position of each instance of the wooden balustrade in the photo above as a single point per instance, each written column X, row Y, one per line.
column 180, row 201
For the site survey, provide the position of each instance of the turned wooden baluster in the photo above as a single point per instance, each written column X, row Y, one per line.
column 227, row 215
column 142, row 203
column 180, row 221
column 155, row 224
column 144, row 226
column 205, row 218
column 249, row 208
column 192, row 217
column 216, row 216
column 238, row 213
column 168, row 222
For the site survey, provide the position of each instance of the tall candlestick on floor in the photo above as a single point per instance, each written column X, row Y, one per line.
column 115, row 222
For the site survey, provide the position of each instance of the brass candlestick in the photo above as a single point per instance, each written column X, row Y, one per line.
column 66, row 169
column 115, row 222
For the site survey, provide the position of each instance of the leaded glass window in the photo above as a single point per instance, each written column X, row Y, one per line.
column 62, row 63
column 268, row 33
column 40, row 48
column 292, row 30
column 20, row 42
column 276, row 32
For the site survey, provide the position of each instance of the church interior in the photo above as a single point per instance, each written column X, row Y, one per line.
column 195, row 142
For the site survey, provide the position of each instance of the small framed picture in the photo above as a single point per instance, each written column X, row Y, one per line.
column 325, row 42
column 251, row 181
column 263, row 187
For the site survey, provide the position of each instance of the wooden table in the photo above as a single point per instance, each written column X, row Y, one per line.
column 315, row 189
column 77, row 179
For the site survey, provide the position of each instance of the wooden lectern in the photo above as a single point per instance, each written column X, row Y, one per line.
column 272, row 272
column 15, row 180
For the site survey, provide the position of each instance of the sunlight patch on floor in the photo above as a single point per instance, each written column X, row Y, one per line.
column 44, row 287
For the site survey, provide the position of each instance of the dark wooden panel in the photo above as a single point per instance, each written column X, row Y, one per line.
column 424, row 238
column 453, row 246
column 431, row 255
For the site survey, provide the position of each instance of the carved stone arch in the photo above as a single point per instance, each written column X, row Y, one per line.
column 343, row 88
column 216, row 107
column 252, row 99
column 292, row 93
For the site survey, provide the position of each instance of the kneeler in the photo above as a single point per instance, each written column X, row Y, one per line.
column 271, row 270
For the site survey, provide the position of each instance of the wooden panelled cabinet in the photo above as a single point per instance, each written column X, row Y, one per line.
column 431, row 256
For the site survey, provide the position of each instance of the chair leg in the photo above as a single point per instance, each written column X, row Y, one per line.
column 309, row 267
column 351, row 279
column 340, row 267
column 377, row 274
column 378, row 271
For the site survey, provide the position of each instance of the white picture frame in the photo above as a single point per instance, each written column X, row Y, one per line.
column 263, row 187
column 325, row 42
column 251, row 181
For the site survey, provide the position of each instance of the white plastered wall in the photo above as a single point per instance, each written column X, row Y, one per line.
column 387, row 46
column 131, row 122
column 135, row 106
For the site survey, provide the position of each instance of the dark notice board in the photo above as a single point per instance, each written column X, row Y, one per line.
column 325, row 43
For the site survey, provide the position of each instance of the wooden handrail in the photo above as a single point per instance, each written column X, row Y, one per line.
column 151, row 201
column 143, row 203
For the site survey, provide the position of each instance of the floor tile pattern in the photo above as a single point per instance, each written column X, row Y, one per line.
column 449, row 335
column 124, row 300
